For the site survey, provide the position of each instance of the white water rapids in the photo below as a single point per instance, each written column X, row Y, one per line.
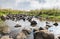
column 26, row 24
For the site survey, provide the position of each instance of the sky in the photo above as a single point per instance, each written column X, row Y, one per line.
column 30, row 4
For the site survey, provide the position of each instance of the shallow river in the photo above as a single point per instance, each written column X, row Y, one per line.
column 26, row 24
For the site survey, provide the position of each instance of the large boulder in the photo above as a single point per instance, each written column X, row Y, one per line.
column 6, row 37
column 33, row 23
column 43, row 34
column 6, row 30
column 3, row 18
column 56, row 24
column 21, row 35
column 24, row 34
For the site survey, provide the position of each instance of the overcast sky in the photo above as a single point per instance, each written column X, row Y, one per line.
column 29, row 4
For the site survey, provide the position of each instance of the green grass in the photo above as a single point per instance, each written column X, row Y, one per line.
column 50, row 13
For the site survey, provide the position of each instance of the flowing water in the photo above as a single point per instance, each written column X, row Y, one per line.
column 26, row 24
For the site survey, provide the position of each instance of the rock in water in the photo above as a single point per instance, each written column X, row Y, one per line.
column 6, row 37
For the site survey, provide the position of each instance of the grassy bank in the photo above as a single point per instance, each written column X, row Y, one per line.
column 44, row 13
